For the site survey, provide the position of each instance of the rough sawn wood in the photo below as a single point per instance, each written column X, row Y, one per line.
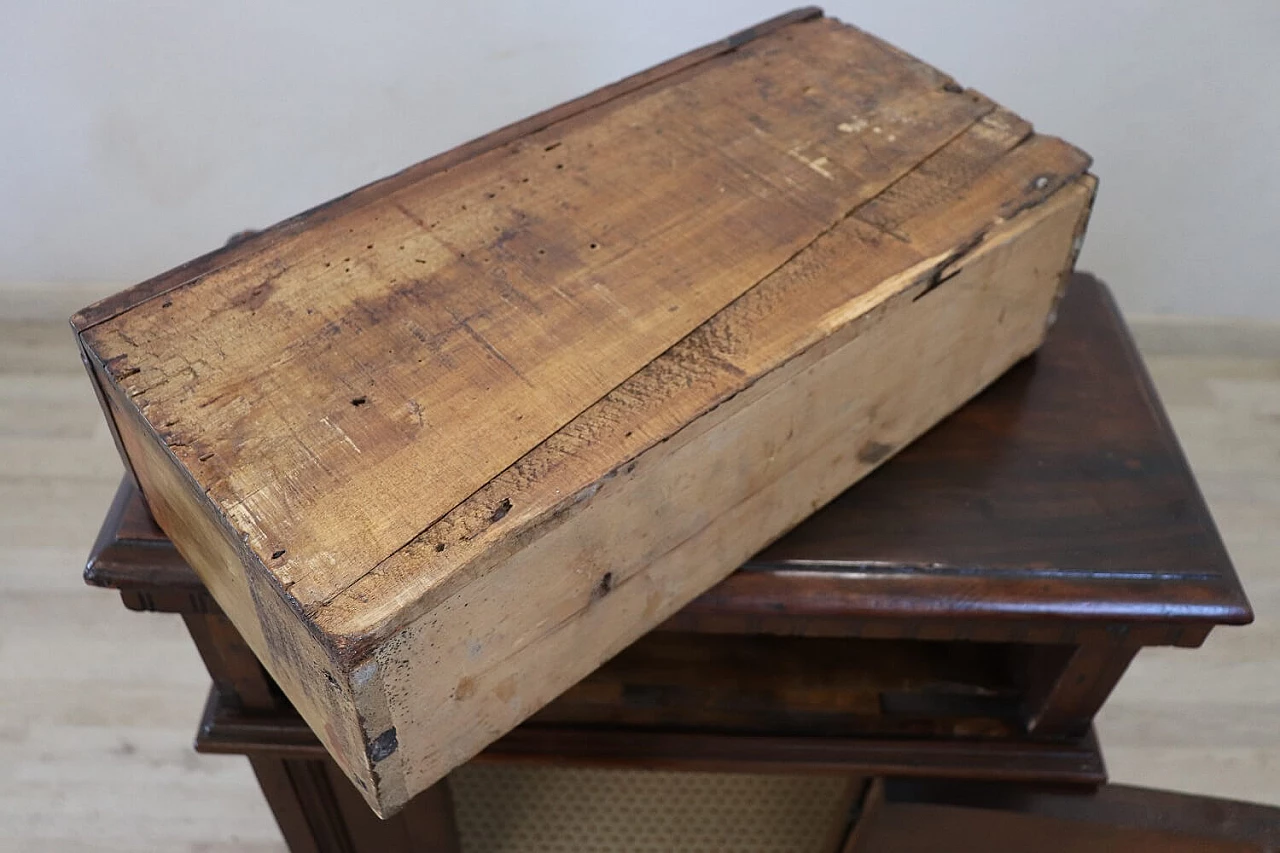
column 441, row 447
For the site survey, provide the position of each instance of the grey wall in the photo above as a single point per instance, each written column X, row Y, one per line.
column 137, row 134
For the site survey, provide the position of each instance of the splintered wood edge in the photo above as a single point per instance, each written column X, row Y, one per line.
column 352, row 638
column 190, row 272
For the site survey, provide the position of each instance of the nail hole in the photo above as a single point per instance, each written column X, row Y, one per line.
column 501, row 510
column 275, row 555
column 359, row 401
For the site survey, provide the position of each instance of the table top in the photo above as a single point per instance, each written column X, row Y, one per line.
column 1060, row 493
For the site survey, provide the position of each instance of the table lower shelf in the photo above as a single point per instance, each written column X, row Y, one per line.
column 226, row 729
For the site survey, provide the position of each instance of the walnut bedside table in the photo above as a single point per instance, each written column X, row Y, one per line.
column 960, row 615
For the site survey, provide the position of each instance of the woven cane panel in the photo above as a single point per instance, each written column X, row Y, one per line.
column 503, row 808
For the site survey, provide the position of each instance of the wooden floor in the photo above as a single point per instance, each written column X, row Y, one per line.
column 98, row 705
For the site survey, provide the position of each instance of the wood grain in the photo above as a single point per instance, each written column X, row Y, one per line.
column 442, row 452
column 341, row 392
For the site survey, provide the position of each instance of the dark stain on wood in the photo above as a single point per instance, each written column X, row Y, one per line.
column 383, row 745
column 501, row 510
column 874, row 452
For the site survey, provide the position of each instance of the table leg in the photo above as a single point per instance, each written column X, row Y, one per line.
column 316, row 806
column 320, row 811
column 231, row 664
column 1070, row 683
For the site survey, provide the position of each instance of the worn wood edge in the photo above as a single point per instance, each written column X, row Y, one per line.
column 107, row 535
column 287, row 645
column 96, row 378
column 1237, row 610
column 112, row 306
column 1077, row 244
column 99, row 373
column 223, row 730
column 866, row 589
column 352, row 639
column 125, row 564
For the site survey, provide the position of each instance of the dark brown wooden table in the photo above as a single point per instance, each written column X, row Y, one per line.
column 960, row 614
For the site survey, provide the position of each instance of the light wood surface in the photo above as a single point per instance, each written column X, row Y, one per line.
column 465, row 318
column 95, row 745
column 440, row 453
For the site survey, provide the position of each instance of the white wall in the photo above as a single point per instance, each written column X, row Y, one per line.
column 135, row 135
